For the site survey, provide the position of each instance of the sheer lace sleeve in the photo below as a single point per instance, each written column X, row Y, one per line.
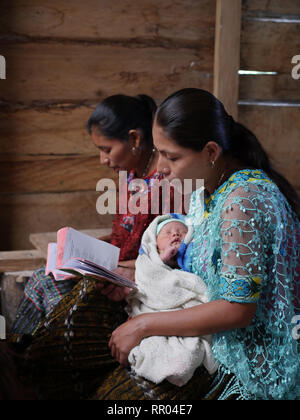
column 247, row 250
column 243, row 236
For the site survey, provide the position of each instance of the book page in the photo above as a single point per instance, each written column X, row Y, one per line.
column 88, row 269
column 79, row 245
column 51, row 263
column 51, row 258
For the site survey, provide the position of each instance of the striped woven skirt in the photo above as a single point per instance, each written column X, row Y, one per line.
column 69, row 357
column 42, row 293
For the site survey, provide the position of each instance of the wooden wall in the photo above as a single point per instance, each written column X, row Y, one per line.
column 63, row 57
column 270, row 38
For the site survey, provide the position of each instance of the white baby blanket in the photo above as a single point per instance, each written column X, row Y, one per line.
column 161, row 288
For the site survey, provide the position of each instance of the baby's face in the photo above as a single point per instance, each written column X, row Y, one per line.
column 172, row 234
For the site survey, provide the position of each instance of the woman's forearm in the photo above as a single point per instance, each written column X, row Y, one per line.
column 200, row 320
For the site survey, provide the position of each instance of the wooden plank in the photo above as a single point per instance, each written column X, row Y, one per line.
column 75, row 73
column 41, row 240
column 272, row 6
column 106, row 19
column 23, row 214
column 57, row 130
column 278, row 130
column 277, row 87
column 267, row 46
column 62, row 174
column 21, row 260
column 227, row 54
column 11, row 295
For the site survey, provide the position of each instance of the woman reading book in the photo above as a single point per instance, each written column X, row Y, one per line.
column 246, row 249
column 121, row 128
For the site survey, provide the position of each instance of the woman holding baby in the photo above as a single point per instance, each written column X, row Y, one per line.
column 245, row 249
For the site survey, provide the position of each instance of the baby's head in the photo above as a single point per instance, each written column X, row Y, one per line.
column 170, row 233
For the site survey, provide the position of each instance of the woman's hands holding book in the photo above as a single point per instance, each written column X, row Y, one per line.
column 115, row 293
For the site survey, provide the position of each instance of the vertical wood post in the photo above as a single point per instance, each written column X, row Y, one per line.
column 227, row 54
column 11, row 295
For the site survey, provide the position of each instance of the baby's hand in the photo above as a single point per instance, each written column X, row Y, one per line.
column 168, row 254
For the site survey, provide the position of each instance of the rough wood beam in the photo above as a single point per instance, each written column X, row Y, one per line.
column 227, row 54
column 41, row 240
column 21, row 260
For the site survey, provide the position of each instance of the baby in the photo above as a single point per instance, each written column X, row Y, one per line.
column 165, row 282
column 170, row 243
column 170, row 234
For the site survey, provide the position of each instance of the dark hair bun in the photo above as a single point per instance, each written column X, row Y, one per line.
column 118, row 114
column 148, row 103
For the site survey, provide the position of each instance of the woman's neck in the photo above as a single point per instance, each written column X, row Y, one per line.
column 222, row 172
column 148, row 163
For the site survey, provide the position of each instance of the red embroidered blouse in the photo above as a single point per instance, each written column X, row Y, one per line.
column 128, row 228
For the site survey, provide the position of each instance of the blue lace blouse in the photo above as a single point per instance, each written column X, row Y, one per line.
column 246, row 249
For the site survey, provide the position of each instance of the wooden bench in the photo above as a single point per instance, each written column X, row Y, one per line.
column 16, row 267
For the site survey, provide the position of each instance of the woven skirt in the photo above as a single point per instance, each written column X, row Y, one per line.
column 42, row 293
column 69, row 357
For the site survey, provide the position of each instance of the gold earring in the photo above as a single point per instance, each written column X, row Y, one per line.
column 136, row 151
column 213, row 163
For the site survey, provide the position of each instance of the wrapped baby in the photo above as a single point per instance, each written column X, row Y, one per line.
column 164, row 283
column 171, row 242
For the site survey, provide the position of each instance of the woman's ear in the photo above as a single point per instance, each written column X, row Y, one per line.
column 213, row 151
column 135, row 139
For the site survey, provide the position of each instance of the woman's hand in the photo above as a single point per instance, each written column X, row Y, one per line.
column 127, row 272
column 126, row 337
column 168, row 255
column 115, row 293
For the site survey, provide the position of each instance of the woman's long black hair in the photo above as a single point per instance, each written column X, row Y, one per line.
column 193, row 117
column 118, row 114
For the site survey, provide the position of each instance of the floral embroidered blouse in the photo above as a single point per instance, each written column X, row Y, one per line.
column 247, row 250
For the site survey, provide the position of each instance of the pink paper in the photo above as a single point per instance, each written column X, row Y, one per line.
column 61, row 242
column 47, row 272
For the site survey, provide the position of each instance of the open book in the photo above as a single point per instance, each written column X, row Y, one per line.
column 78, row 255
